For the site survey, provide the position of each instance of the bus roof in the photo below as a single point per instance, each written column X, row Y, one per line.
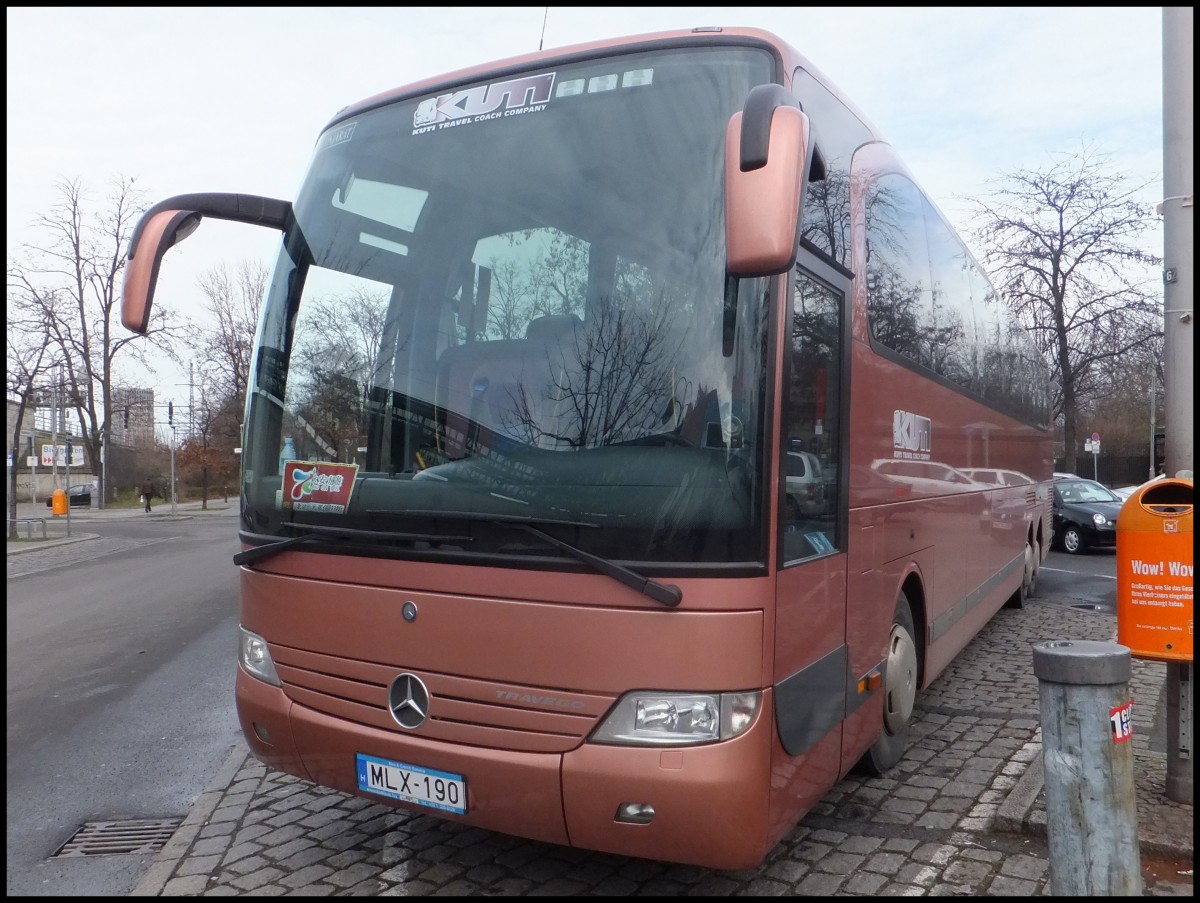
column 790, row 57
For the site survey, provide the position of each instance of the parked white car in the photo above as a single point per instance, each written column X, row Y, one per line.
column 1126, row 491
column 996, row 477
column 805, row 484
column 927, row 478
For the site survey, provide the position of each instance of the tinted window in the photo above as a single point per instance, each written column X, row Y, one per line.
column 928, row 300
column 512, row 303
column 838, row 132
column 1075, row 491
column 810, row 419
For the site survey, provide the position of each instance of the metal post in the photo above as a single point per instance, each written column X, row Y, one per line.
column 1178, row 215
column 1087, row 750
column 1153, row 430
column 1179, row 732
column 172, row 469
column 67, row 459
column 54, row 438
column 103, row 462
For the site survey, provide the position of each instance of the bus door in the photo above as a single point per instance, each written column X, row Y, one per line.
column 811, row 661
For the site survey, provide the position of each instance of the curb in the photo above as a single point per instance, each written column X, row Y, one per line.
column 1016, row 814
column 16, row 548
column 38, row 545
column 156, row 877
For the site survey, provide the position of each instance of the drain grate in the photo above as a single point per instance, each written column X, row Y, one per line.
column 119, row 838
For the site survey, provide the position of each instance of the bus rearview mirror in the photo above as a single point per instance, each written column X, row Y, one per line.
column 767, row 146
column 171, row 221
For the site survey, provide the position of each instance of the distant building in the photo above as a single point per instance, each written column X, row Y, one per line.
column 28, row 432
column 132, row 420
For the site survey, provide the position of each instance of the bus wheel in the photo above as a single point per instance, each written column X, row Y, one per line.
column 1028, row 578
column 899, row 693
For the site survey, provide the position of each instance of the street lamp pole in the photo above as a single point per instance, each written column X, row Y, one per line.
column 1178, row 314
column 172, row 469
column 1153, row 473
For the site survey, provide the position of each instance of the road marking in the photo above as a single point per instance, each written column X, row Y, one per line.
column 1078, row 573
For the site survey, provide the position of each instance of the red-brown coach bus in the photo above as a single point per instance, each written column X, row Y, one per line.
column 604, row 447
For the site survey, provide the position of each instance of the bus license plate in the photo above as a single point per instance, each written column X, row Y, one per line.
column 413, row 784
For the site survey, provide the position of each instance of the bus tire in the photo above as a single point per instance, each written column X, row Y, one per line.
column 1028, row 577
column 1035, row 554
column 900, row 681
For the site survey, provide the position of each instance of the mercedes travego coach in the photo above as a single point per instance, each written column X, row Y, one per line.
column 541, row 340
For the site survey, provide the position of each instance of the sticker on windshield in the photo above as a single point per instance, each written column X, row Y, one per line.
column 514, row 97
column 318, row 486
column 336, row 136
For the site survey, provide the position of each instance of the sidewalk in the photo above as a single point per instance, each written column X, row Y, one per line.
column 962, row 814
column 82, row 519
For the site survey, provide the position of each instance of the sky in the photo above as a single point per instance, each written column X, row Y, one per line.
column 231, row 99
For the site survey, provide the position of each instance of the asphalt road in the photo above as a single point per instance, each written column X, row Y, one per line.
column 1087, row 580
column 120, row 690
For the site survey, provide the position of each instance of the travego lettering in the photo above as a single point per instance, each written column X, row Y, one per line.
column 530, row 699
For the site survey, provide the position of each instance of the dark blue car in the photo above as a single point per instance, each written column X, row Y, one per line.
column 1085, row 515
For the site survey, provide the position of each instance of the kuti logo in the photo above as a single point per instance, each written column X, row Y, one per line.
column 912, row 435
column 514, row 97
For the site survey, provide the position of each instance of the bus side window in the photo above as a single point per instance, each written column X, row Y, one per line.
column 810, row 428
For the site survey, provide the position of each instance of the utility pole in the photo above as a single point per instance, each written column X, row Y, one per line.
column 191, row 403
column 172, row 469
column 103, row 459
column 1153, row 428
column 54, row 434
column 70, row 451
column 1178, row 229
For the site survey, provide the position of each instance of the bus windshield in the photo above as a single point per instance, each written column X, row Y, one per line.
column 503, row 300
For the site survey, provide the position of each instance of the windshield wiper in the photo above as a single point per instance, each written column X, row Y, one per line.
column 666, row 593
column 372, row 536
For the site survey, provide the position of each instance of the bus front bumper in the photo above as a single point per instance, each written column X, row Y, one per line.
column 709, row 803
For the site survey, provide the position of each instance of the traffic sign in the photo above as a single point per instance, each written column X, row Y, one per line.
column 57, row 454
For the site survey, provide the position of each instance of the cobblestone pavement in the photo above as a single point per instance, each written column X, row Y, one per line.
column 31, row 555
column 961, row 815
column 85, row 547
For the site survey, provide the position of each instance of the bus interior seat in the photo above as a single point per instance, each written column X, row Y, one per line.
column 506, row 385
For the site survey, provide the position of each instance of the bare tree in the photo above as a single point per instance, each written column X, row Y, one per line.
column 234, row 300
column 1061, row 245
column 207, row 456
column 226, row 347
column 333, row 368
column 27, row 359
column 70, row 283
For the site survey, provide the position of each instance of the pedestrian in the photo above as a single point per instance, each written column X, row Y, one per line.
column 147, row 491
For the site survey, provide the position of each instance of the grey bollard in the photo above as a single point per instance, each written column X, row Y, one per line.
column 1087, row 750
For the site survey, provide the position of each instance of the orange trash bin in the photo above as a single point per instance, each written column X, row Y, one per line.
column 1155, row 572
column 58, row 501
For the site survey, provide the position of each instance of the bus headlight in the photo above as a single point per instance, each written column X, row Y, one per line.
column 650, row 718
column 255, row 657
